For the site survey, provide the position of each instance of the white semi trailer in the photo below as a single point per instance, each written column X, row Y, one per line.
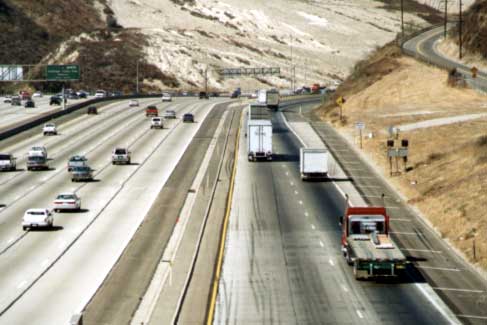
column 313, row 163
column 259, row 139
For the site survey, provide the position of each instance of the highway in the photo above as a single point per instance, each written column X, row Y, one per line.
column 57, row 271
column 10, row 115
column 283, row 263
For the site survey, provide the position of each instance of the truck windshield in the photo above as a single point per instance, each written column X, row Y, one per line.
column 4, row 157
column 120, row 151
column 362, row 225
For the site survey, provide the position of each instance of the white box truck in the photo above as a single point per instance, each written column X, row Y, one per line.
column 259, row 139
column 313, row 163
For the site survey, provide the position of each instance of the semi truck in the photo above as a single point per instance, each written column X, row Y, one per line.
column 367, row 245
column 313, row 163
column 259, row 139
column 269, row 98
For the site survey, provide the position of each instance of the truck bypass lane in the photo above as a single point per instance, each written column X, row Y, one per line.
column 283, row 261
column 57, row 272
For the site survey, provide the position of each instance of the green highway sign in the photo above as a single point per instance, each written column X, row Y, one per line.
column 63, row 72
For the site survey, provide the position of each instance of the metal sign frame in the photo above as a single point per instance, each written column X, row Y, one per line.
column 38, row 73
column 237, row 72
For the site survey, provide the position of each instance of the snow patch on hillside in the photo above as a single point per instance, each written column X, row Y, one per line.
column 320, row 40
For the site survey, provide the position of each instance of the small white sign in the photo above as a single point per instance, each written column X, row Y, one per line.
column 360, row 125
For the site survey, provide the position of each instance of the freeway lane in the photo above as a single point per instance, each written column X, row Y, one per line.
column 118, row 202
column 283, row 263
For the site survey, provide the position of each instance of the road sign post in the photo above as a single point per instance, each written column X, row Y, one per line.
column 360, row 126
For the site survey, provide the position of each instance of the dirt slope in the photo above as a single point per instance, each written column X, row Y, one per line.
column 447, row 177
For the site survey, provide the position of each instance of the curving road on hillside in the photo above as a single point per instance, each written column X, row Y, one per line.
column 424, row 47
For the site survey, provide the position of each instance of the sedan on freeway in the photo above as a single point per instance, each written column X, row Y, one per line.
column 81, row 174
column 67, row 201
column 188, row 117
column 134, row 103
column 77, row 161
column 34, row 218
column 170, row 114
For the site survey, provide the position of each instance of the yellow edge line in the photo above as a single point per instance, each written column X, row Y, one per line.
column 216, row 277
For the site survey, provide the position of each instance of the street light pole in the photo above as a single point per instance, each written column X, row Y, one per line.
column 137, row 80
column 402, row 20
column 446, row 16
column 460, row 31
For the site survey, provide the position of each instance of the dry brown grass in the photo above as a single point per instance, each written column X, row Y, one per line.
column 447, row 180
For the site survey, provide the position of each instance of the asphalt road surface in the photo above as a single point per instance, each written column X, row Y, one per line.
column 283, row 263
column 47, row 276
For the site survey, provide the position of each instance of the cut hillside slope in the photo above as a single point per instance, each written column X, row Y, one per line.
column 80, row 32
column 322, row 39
column 447, row 176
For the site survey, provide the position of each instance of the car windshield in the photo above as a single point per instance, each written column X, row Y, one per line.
column 120, row 151
column 156, row 120
column 66, row 197
column 77, row 158
column 36, row 158
column 82, row 169
column 36, row 213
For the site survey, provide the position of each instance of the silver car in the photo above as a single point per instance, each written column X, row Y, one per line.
column 170, row 113
column 81, row 174
column 77, row 161
column 67, row 201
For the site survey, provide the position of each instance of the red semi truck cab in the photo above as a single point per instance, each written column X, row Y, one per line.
column 366, row 243
column 151, row 110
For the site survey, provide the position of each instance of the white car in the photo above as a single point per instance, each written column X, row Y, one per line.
column 34, row 218
column 7, row 162
column 67, row 201
column 134, row 103
column 100, row 94
column 38, row 151
column 156, row 123
column 166, row 97
column 121, row 156
column 170, row 113
column 49, row 129
column 37, row 94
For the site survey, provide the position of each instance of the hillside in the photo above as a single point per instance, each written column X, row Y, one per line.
column 69, row 31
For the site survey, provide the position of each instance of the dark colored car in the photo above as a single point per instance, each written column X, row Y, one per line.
column 204, row 95
column 92, row 110
column 188, row 118
column 55, row 100
column 82, row 94
column 29, row 104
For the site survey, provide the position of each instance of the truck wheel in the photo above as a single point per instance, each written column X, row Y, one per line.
column 348, row 259
column 24, row 228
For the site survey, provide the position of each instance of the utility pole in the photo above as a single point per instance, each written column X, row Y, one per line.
column 137, row 78
column 446, row 17
column 206, row 81
column 402, row 21
column 460, row 32
column 291, row 66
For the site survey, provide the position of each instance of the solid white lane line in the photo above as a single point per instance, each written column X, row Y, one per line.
column 306, row 214
column 10, row 240
column 421, row 250
column 296, row 192
column 400, row 220
column 292, row 183
column 21, row 284
column 331, row 262
column 359, row 314
column 393, row 207
column 287, row 173
column 438, row 268
column 45, row 262
column 406, row 233
column 313, row 227
column 459, row 290
column 472, row 316
column 321, row 244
